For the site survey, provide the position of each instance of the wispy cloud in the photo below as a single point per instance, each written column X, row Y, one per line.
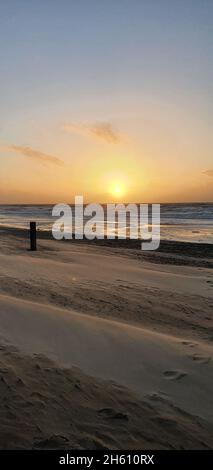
column 98, row 131
column 33, row 154
column 208, row 173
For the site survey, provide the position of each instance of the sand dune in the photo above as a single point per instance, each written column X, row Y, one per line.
column 100, row 282
column 44, row 406
column 143, row 326
column 145, row 361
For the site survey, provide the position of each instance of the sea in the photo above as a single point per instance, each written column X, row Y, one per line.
column 192, row 222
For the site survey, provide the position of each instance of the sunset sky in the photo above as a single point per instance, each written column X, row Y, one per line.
column 110, row 99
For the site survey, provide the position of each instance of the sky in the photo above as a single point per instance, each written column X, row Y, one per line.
column 107, row 99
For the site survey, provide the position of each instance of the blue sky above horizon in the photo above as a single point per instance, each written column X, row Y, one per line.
column 98, row 95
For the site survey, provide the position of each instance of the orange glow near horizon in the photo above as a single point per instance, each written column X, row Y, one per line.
column 61, row 167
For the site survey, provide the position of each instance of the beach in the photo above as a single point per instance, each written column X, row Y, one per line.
column 106, row 233
column 104, row 346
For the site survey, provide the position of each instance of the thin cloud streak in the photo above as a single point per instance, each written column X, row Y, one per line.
column 208, row 173
column 100, row 131
column 33, row 154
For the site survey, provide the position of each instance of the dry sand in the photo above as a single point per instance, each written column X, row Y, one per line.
column 116, row 317
column 44, row 406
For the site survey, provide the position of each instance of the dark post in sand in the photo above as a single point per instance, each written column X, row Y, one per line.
column 33, row 246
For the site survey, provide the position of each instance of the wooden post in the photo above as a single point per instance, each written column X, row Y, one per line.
column 33, row 246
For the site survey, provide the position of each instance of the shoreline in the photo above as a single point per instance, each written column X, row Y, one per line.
column 169, row 252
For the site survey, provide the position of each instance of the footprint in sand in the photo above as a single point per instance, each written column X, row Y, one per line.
column 174, row 374
column 112, row 414
column 189, row 343
column 200, row 359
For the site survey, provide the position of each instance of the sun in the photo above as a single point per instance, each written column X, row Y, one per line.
column 117, row 190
